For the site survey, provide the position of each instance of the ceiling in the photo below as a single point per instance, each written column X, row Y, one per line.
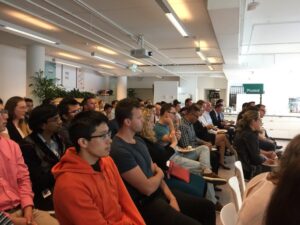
column 233, row 38
column 79, row 26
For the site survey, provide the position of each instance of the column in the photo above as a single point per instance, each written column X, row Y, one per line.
column 35, row 61
column 121, row 87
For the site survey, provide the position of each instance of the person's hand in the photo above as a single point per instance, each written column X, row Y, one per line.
column 158, row 170
column 178, row 134
column 208, row 144
column 210, row 126
column 270, row 155
column 19, row 220
column 269, row 162
column 174, row 204
column 27, row 211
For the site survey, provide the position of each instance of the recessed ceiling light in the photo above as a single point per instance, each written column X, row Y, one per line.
column 212, row 59
column 29, row 35
column 210, row 67
column 69, row 55
column 106, row 66
column 31, row 20
column 106, row 50
column 181, row 9
column 136, row 62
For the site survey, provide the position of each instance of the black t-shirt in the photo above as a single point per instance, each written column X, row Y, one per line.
column 127, row 156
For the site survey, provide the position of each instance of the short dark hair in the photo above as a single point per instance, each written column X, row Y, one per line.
column 85, row 100
column 187, row 100
column 218, row 105
column 193, row 108
column 28, row 99
column 107, row 106
column 258, row 106
column 219, row 101
column 1, row 101
column 114, row 102
column 40, row 115
column 63, row 106
column 200, row 103
column 124, row 109
column 84, row 124
column 165, row 108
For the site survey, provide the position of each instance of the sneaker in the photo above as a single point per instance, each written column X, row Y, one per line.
column 214, row 178
column 218, row 206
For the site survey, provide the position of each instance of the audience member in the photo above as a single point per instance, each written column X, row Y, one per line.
column 16, row 124
column 188, row 102
column 284, row 204
column 218, row 139
column 246, row 143
column 107, row 111
column 68, row 108
column 144, row 179
column 89, row 103
column 42, row 150
column 113, row 104
column 177, row 106
column 16, row 197
column 88, row 188
column 260, row 188
column 157, row 112
column 4, row 112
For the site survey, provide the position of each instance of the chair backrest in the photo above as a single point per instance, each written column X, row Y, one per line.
column 235, row 189
column 240, row 175
column 228, row 214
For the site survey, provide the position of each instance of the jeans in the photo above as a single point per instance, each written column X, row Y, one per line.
column 196, row 161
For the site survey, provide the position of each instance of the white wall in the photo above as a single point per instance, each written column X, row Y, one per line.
column 188, row 89
column 12, row 72
column 165, row 91
column 146, row 82
column 210, row 83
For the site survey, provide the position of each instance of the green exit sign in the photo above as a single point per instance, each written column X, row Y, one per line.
column 253, row 88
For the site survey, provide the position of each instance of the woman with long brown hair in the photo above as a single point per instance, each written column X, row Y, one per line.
column 247, row 145
column 17, row 127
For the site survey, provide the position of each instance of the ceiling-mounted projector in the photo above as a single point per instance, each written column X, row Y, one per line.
column 140, row 53
column 252, row 5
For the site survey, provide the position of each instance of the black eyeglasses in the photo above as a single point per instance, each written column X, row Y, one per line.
column 103, row 136
column 3, row 111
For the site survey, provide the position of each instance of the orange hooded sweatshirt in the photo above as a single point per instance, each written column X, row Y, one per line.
column 83, row 196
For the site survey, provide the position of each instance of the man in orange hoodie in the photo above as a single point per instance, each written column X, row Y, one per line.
column 88, row 188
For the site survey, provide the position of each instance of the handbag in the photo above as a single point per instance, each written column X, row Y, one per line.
column 179, row 172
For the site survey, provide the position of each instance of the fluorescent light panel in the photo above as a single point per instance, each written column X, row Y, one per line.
column 106, row 50
column 101, row 58
column 176, row 24
column 69, row 55
column 200, row 54
column 29, row 19
column 210, row 67
column 29, row 35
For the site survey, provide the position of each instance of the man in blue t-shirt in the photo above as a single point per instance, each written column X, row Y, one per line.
column 144, row 179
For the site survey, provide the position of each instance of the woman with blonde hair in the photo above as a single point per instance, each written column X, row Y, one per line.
column 16, row 125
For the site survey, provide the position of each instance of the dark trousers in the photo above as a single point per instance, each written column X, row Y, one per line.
column 266, row 145
column 193, row 211
column 214, row 161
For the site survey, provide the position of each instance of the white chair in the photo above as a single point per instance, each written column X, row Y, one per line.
column 240, row 175
column 228, row 214
column 235, row 189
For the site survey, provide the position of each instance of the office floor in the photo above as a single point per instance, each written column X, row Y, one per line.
column 225, row 194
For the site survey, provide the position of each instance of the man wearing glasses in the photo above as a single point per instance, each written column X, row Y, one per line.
column 42, row 149
column 88, row 188
column 68, row 108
